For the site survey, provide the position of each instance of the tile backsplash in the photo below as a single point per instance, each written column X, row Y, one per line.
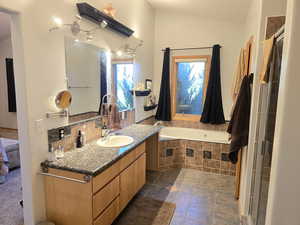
column 91, row 128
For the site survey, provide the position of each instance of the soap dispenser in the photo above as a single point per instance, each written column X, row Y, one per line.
column 79, row 140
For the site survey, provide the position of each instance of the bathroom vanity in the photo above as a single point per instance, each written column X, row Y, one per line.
column 93, row 185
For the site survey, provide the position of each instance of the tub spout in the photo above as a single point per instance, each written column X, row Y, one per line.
column 158, row 123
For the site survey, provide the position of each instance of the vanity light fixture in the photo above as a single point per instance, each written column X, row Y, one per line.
column 75, row 27
column 58, row 21
column 128, row 50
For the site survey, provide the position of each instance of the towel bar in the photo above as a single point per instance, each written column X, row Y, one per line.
column 85, row 181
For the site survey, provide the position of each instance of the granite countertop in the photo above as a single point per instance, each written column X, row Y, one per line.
column 92, row 159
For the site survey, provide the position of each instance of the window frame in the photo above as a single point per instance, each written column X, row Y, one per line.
column 114, row 79
column 175, row 60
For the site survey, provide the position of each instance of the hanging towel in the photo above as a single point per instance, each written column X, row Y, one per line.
column 213, row 106
column 239, row 123
column 114, row 116
column 268, row 49
column 239, row 75
column 164, row 104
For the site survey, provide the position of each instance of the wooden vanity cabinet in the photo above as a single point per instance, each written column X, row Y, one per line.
column 132, row 180
column 99, row 201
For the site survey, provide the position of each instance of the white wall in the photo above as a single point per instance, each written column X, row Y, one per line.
column 7, row 119
column 40, row 73
column 182, row 30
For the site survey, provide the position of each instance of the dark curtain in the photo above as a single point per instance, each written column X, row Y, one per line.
column 164, row 104
column 12, row 103
column 213, row 106
column 103, row 78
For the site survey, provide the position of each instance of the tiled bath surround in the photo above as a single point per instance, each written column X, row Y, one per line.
column 204, row 156
column 91, row 128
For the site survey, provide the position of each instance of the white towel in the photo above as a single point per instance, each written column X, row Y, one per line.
column 2, row 151
column 3, row 158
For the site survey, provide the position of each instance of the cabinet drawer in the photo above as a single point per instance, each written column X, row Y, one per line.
column 107, row 175
column 105, row 196
column 127, row 160
column 140, row 150
column 132, row 156
column 109, row 215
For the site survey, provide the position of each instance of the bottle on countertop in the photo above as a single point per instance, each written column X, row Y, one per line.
column 61, row 134
column 59, row 153
column 79, row 140
column 103, row 131
column 51, row 155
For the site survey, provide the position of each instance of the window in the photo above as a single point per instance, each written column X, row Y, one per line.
column 123, row 75
column 189, row 82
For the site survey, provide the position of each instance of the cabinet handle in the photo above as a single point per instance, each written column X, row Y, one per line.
column 85, row 181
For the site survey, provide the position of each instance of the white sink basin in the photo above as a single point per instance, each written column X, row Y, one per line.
column 115, row 141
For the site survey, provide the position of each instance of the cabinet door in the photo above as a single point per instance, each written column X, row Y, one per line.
column 127, row 185
column 140, row 172
column 132, row 179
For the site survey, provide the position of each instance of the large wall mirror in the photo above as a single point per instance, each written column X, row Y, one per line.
column 86, row 68
column 92, row 72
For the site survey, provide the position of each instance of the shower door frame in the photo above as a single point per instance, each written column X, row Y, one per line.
column 260, row 145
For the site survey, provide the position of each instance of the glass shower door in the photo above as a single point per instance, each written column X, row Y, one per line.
column 265, row 138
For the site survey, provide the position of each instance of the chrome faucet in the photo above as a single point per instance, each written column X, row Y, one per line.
column 107, row 134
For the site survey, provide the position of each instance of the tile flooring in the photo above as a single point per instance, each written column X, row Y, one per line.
column 11, row 213
column 201, row 198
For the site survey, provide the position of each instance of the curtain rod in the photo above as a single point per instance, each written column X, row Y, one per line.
column 179, row 49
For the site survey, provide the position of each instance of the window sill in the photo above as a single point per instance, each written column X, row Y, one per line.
column 187, row 117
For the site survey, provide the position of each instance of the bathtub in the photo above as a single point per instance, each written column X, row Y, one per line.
column 173, row 133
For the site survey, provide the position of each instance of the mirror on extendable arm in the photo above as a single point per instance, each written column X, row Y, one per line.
column 63, row 100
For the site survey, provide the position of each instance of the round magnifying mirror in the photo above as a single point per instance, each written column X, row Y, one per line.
column 63, row 99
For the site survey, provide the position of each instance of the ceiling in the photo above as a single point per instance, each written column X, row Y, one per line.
column 235, row 10
column 4, row 25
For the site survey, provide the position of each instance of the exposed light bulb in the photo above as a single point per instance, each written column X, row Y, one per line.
column 103, row 24
column 58, row 21
column 119, row 53
column 78, row 17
